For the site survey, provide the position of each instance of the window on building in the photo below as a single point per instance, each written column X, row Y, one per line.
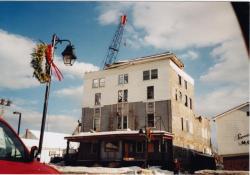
column 96, row 122
column 95, row 83
column 182, row 124
column 119, row 122
column 247, row 113
column 180, row 96
column 150, row 107
column 186, row 100
column 186, row 86
column 125, row 78
column 125, row 122
column 120, row 79
column 146, row 75
column 190, row 103
column 101, row 82
column 139, row 147
column 187, row 126
column 179, row 79
column 154, row 73
column 122, row 116
column 151, row 120
column 123, row 95
column 98, row 99
column 120, row 94
column 176, row 96
column 150, row 92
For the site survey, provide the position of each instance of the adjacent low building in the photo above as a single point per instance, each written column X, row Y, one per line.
column 128, row 98
column 232, row 129
column 54, row 144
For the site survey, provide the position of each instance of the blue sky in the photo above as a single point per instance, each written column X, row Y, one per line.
column 204, row 35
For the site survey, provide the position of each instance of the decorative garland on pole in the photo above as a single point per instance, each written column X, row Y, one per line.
column 42, row 59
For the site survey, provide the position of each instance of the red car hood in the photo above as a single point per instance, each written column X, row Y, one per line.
column 34, row 167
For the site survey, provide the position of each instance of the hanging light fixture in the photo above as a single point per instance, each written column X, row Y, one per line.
column 68, row 55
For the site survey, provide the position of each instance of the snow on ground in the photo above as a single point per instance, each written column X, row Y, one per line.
column 134, row 170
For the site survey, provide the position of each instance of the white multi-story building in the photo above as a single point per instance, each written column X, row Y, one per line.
column 153, row 92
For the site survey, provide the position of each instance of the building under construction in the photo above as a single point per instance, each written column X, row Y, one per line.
column 142, row 111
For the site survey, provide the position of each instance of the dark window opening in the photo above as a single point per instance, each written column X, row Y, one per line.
column 119, row 122
column 190, row 103
column 151, row 120
column 182, row 127
column 154, row 73
column 125, row 95
column 186, row 100
column 150, row 92
column 247, row 113
column 125, row 122
column 186, row 86
column 179, row 79
column 146, row 75
column 97, row 98
column 125, row 78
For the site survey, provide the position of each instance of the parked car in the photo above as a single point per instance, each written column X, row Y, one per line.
column 15, row 157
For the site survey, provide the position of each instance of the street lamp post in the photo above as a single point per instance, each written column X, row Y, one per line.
column 68, row 58
column 19, row 121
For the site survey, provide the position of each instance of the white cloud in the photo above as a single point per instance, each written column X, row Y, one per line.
column 111, row 12
column 15, row 69
column 32, row 120
column 77, row 70
column 222, row 99
column 230, row 76
column 71, row 92
column 232, row 64
column 178, row 25
column 190, row 55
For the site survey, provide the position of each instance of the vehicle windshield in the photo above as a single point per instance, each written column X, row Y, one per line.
column 10, row 146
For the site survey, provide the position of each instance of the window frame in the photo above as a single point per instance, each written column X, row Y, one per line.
column 182, row 124
column 186, row 100
column 125, row 82
column 149, row 97
column 93, row 83
column 155, row 74
column 146, row 76
column 179, row 79
column 190, row 103
column 149, row 121
column 101, row 84
column 96, row 100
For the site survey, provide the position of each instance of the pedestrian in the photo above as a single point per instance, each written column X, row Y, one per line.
column 176, row 166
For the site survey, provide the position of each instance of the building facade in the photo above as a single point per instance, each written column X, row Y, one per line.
column 150, row 92
column 233, row 137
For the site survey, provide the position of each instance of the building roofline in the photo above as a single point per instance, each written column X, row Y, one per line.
column 149, row 58
column 230, row 110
